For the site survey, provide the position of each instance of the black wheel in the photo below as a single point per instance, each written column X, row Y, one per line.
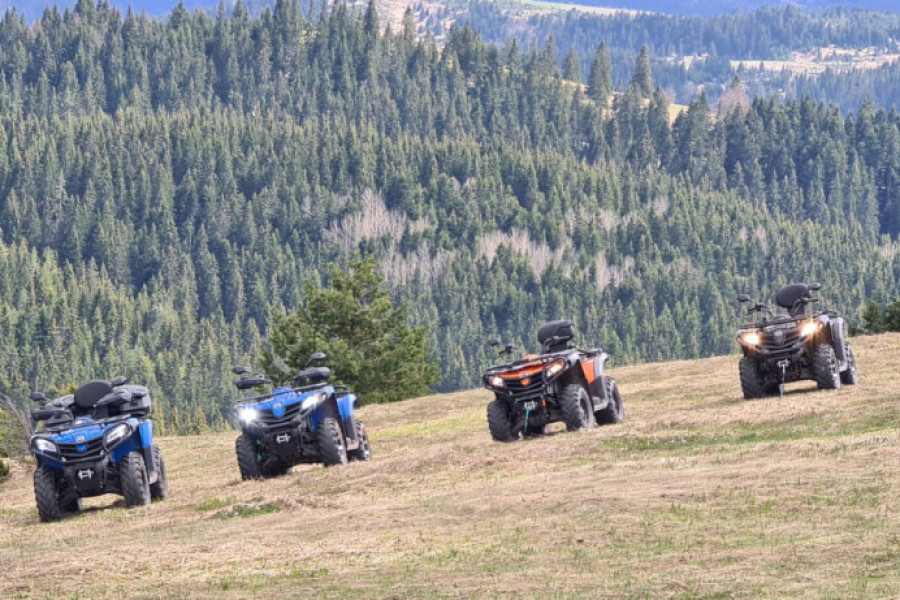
column 498, row 420
column 535, row 427
column 614, row 411
column 330, row 439
column 247, row 457
column 160, row 489
column 750, row 379
column 46, row 494
column 364, row 450
column 576, row 407
column 134, row 480
column 824, row 368
column 74, row 506
column 849, row 376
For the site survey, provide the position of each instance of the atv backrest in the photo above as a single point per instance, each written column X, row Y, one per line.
column 89, row 394
column 554, row 336
column 794, row 298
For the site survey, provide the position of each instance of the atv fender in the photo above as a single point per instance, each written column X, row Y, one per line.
column 145, row 431
column 837, row 341
column 592, row 371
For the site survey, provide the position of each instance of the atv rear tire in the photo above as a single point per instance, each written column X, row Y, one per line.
column 160, row 489
column 498, row 420
column 824, row 368
column 849, row 376
column 614, row 411
column 750, row 380
column 247, row 457
column 134, row 480
column 364, row 450
column 46, row 495
column 330, row 438
column 577, row 410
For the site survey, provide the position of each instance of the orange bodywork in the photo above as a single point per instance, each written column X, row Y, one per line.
column 587, row 366
column 525, row 372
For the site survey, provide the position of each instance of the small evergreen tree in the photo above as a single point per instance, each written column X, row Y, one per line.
column 642, row 80
column 369, row 344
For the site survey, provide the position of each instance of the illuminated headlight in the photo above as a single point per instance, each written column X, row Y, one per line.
column 809, row 328
column 751, row 339
column 114, row 436
column 555, row 367
column 44, row 446
column 247, row 415
column 496, row 381
column 310, row 402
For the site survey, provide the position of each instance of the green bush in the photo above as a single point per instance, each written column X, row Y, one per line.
column 369, row 344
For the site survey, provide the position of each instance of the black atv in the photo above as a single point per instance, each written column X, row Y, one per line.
column 780, row 348
column 563, row 383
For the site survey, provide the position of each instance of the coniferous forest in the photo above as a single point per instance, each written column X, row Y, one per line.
column 166, row 186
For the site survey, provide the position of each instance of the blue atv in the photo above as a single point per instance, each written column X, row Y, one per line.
column 93, row 442
column 310, row 423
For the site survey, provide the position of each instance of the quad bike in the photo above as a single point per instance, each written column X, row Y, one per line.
column 780, row 348
column 310, row 423
column 563, row 383
column 95, row 441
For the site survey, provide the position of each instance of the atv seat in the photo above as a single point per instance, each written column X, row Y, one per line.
column 312, row 375
column 793, row 297
column 554, row 336
column 88, row 395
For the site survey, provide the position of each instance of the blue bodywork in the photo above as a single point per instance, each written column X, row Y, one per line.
column 284, row 423
column 82, row 455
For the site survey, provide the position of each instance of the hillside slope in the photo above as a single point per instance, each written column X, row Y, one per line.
column 698, row 494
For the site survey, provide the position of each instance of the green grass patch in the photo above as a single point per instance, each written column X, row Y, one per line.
column 248, row 510
column 215, row 503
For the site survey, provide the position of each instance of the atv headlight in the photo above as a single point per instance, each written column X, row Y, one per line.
column 751, row 339
column 809, row 328
column 496, row 381
column 555, row 367
column 310, row 402
column 114, row 436
column 247, row 415
column 44, row 446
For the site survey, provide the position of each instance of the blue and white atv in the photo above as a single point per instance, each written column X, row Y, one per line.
column 310, row 423
column 93, row 442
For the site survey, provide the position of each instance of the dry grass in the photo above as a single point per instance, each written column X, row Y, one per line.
column 698, row 494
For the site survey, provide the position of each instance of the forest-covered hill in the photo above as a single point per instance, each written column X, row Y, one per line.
column 165, row 185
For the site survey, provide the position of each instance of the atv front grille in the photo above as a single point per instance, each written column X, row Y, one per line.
column 267, row 417
column 82, row 452
column 780, row 339
column 530, row 387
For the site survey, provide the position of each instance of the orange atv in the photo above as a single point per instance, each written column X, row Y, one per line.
column 563, row 383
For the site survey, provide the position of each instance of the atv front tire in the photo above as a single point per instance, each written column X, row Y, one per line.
column 498, row 421
column 364, row 450
column 134, row 480
column 849, row 376
column 247, row 457
column 160, row 489
column 577, row 410
column 824, row 368
column 614, row 411
column 330, row 440
column 46, row 495
column 750, row 379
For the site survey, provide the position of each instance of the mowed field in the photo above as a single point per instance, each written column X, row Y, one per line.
column 699, row 493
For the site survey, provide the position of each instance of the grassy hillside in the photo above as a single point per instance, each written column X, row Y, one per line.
column 698, row 494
